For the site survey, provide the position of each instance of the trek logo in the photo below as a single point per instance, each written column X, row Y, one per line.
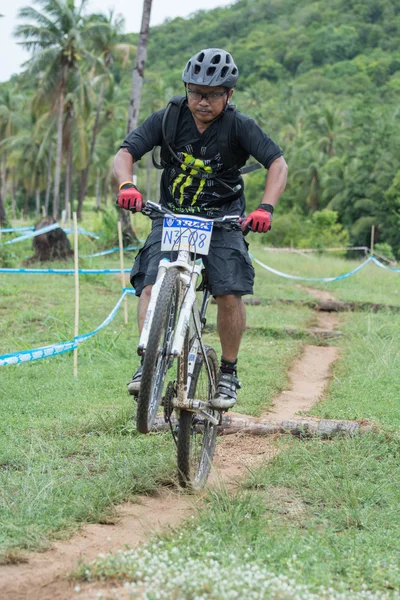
column 189, row 223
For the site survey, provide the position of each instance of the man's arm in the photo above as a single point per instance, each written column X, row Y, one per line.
column 276, row 181
column 261, row 218
column 129, row 196
column 136, row 144
column 123, row 166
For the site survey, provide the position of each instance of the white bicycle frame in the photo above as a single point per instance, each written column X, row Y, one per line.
column 189, row 275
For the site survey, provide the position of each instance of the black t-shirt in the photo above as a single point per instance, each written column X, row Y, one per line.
column 181, row 192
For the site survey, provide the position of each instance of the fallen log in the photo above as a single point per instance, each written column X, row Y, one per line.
column 336, row 306
column 284, row 332
column 250, row 300
column 317, row 333
column 299, row 427
column 331, row 305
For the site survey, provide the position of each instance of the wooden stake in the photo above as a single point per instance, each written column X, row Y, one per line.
column 372, row 238
column 121, row 261
column 43, row 210
column 76, row 264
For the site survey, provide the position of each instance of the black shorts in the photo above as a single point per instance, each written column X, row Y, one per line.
column 228, row 265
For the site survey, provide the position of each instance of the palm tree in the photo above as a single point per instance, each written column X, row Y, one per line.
column 103, row 32
column 328, row 122
column 55, row 35
column 23, row 151
column 115, row 114
column 11, row 119
column 308, row 175
column 136, row 93
column 45, row 130
column 138, row 70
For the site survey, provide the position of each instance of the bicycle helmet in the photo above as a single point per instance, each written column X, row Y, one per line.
column 213, row 67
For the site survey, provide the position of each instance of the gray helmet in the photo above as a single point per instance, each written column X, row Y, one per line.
column 212, row 66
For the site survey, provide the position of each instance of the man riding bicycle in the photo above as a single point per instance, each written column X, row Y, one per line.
column 204, row 143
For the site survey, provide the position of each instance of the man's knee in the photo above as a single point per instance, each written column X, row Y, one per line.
column 228, row 301
column 146, row 292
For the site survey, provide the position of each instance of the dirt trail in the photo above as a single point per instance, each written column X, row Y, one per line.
column 310, row 374
column 44, row 576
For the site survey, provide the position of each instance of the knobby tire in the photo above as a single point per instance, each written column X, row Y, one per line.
column 157, row 355
column 196, row 435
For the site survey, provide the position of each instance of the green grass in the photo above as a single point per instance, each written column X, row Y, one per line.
column 321, row 520
column 366, row 382
column 68, row 450
column 371, row 284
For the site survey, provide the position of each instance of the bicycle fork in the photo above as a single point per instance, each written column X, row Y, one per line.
column 185, row 374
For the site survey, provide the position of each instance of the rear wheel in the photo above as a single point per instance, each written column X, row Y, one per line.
column 196, row 435
column 157, row 356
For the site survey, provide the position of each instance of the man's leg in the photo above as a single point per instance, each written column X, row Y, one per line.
column 144, row 299
column 143, row 304
column 231, row 322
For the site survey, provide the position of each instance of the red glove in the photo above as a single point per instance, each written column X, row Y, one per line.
column 260, row 219
column 130, row 198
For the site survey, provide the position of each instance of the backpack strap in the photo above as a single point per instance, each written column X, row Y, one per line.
column 225, row 135
column 170, row 126
column 226, row 127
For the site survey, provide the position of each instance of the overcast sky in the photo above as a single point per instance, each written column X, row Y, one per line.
column 12, row 56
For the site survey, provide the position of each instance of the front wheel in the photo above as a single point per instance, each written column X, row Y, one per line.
column 157, row 355
column 196, row 435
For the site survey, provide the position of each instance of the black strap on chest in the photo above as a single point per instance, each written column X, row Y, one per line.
column 224, row 140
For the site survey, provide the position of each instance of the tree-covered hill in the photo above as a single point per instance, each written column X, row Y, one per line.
column 323, row 79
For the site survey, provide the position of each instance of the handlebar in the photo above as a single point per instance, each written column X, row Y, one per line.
column 154, row 210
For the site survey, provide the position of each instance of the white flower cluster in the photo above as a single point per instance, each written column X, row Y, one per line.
column 159, row 571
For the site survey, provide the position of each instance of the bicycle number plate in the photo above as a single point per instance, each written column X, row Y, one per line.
column 187, row 233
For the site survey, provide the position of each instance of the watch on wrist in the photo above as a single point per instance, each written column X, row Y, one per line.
column 267, row 207
column 127, row 185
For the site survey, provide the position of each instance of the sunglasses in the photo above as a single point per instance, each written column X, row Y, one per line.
column 210, row 97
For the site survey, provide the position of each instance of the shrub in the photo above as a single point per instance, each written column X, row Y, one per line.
column 325, row 231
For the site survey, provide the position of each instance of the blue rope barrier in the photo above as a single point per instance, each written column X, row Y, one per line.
column 36, row 354
column 25, row 356
column 62, row 271
column 14, row 229
column 46, row 229
column 110, row 251
column 379, row 264
column 322, row 279
column 32, row 234
column 81, row 338
column 83, row 231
